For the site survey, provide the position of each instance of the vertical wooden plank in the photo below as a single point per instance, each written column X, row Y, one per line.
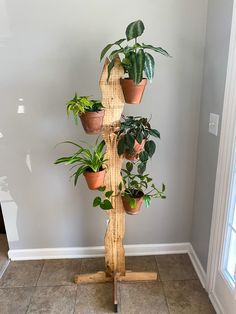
column 113, row 101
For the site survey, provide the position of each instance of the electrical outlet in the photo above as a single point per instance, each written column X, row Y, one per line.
column 213, row 123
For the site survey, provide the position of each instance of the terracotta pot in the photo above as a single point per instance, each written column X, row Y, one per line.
column 138, row 148
column 133, row 93
column 94, row 179
column 127, row 207
column 92, row 121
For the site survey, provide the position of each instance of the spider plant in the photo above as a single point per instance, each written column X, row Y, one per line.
column 90, row 159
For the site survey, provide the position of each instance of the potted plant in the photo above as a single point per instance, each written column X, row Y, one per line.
column 89, row 161
column 137, row 188
column 90, row 111
column 134, row 141
column 135, row 60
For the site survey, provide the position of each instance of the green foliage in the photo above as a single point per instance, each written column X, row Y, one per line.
column 105, row 202
column 85, row 159
column 82, row 104
column 139, row 129
column 136, row 185
column 134, row 58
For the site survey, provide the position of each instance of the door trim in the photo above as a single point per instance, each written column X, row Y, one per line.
column 224, row 166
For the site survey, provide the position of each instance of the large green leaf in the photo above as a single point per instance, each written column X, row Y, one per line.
column 108, row 194
column 154, row 133
column 142, row 167
column 149, row 66
column 137, row 65
column 104, row 51
column 134, row 29
column 106, row 205
column 129, row 166
column 97, row 201
column 143, row 156
column 140, row 57
column 129, row 140
column 150, row 147
column 121, row 146
column 156, row 49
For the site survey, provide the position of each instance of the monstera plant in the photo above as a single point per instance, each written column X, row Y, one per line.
column 136, row 61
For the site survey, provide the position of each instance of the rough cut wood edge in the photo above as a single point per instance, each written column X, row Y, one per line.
column 113, row 101
column 101, row 276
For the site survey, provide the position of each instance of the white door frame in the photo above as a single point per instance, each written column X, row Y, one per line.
column 224, row 167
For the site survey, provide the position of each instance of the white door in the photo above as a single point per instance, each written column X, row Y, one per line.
column 221, row 272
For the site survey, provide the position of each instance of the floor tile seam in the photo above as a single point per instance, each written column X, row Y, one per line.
column 158, row 271
column 49, row 286
column 40, row 273
column 28, row 306
column 167, row 304
column 76, row 296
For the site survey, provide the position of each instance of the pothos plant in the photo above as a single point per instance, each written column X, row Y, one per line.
column 137, row 129
column 135, row 59
column 134, row 186
column 82, row 104
column 103, row 202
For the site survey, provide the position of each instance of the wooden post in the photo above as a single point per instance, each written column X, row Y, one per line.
column 113, row 101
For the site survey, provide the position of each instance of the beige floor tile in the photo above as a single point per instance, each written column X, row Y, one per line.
column 3, row 253
column 91, row 265
column 15, row 300
column 21, row 274
column 187, row 297
column 141, row 263
column 175, row 267
column 59, row 272
column 53, row 300
column 94, row 299
column 142, row 298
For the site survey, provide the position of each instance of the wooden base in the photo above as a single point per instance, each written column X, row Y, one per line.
column 101, row 276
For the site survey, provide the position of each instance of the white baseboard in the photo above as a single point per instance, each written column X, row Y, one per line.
column 216, row 304
column 96, row 251
column 197, row 265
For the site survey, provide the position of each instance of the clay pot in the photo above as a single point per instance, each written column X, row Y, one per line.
column 133, row 93
column 94, row 179
column 138, row 148
column 127, row 207
column 92, row 121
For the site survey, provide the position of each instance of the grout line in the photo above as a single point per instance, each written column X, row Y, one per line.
column 40, row 273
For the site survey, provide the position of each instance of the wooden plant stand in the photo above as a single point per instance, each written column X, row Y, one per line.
column 113, row 101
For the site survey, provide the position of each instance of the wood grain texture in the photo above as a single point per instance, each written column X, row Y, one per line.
column 101, row 276
column 113, row 101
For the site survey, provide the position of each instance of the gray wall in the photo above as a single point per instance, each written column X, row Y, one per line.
column 51, row 48
column 215, row 68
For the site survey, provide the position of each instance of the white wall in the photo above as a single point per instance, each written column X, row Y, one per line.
column 54, row 50
column 215, row 68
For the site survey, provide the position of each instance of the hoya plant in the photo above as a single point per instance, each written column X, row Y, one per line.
column 136, row 58
column 135, row 185
column 135, row 130
column 82, row 104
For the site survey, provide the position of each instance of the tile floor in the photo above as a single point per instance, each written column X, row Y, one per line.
column 3, row 253
column 47, row 287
